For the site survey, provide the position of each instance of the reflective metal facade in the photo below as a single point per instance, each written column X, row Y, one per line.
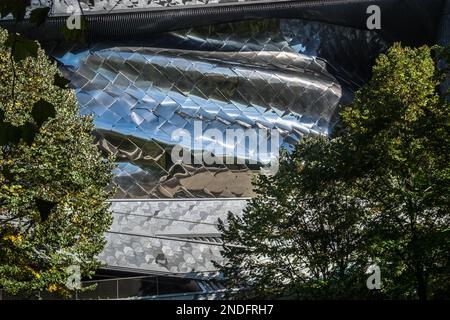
column 168, row 236
column 287, row 75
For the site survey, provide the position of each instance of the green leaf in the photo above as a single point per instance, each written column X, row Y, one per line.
column 28, row 132
column 21, row 47
column 9, row 134
column 44, row 207
column 60, row 81
column 42, row 111
column 39, row 15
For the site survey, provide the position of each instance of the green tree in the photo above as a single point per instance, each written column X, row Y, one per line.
column 300, row 236
column 53, row 179
column 399, row 128
column 376, row 192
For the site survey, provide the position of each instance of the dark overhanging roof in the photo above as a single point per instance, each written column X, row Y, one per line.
column 413, row 22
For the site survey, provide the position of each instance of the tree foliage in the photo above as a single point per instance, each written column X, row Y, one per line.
column 376, row 192
column 53, row 210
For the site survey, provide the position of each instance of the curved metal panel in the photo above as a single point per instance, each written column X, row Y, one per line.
column 284, row 75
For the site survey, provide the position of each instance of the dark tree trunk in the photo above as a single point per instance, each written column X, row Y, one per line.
column 421, row 283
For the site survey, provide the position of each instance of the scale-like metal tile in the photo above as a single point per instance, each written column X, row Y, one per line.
column 286, row 75
column 167, row 236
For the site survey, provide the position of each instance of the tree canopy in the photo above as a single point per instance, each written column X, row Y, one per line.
column 53, row 179
column 374, row 193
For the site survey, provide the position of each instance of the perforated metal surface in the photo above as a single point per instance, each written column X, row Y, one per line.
column 167, row 236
